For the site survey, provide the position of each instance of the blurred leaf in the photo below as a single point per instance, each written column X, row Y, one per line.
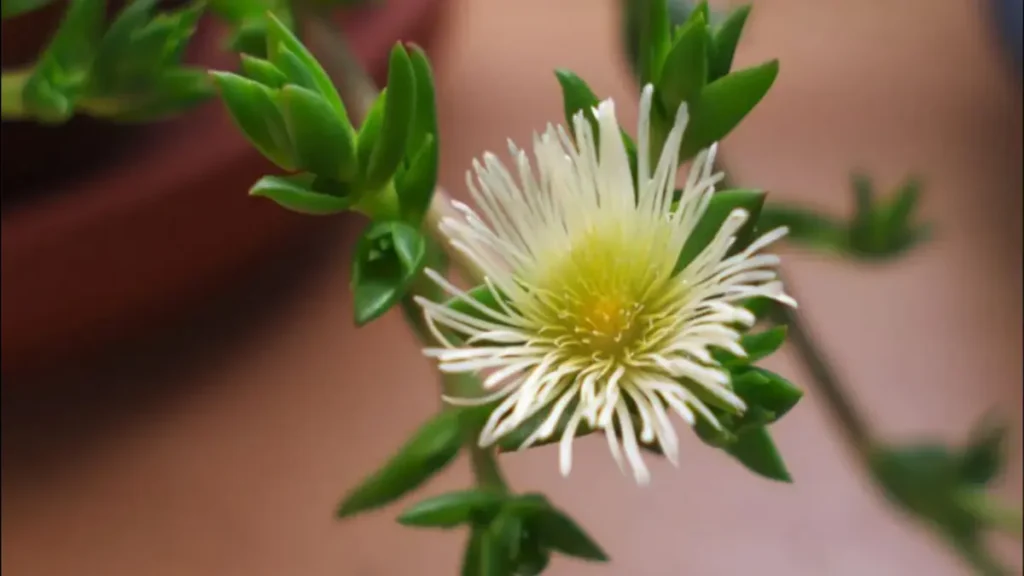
column 926, row 482
column 173, row 91
column 454, row 508
column 12, row 8
column 388, row 257
column 430, row 449
column 62, row 70
column 982, row 460
column 806, row 228
column 578, row 97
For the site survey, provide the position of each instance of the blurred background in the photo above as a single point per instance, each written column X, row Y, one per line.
column 184, row 391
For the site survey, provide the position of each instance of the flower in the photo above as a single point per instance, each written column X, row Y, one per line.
column 593, row 321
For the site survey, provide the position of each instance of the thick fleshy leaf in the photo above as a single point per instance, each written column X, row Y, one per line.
column 396, row 125
column 432, row 447
column 760, row 387
column 721, row 206
column 369, row 131
column 424, row 125
column 654, row 39
column 723, row 104
column 298, row 193
column 756, row 450
column 416, row 185
column 726, row 37
column 262, row 71
column 280, row 40
column 560, row 533
column 388, row 257
column 760, row 345
column 324, row 142
column 453, row 509
column 685, row 71
column 254, row 109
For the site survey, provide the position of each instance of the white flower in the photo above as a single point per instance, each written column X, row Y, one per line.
column 594, row 320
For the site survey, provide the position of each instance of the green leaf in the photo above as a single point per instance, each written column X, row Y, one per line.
column 12, row 8
column 117, row 58
column 388, row 257
column 726, row 37
column 62, row 69
column 654, row 40
column 295, row 69
column 255, row 112
column 685, row 72
column 471, row 557
column 369, row 131
column 416, row 184
column 806, row 228
column 493, row 558
column 982, row 460
column 760, row 345
column 756, row 450
column 558, row 532
column 432, row 447
column 324, row 143
column 298, row 194
column 281, row 40
column 263, row 71
column 424, row 130
column 759, row 387
column 399, row 111
column 723, row 104
column 721, row 206
column 174, row 91
column 454, row 508
column 578, row 97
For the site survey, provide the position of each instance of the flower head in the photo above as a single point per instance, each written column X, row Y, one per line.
column 595, row 323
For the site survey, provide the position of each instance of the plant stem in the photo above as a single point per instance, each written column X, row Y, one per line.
column 833, row 391
column 359, row 93
column 852, row 424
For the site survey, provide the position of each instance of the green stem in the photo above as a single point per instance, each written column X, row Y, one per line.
column 12, row 106
column 359, row 94
column 832, row 390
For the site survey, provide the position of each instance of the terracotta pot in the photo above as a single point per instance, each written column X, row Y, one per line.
column 109, row 254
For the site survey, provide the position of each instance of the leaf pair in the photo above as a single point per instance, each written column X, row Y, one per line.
column 509, row 534
column 878, row 230
column 942, row 487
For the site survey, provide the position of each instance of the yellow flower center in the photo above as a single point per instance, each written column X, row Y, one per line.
column 594, row 299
